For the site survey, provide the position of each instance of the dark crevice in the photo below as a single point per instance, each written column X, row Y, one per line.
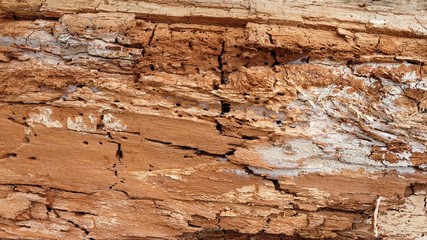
column 221, row 64
column 41, row 103
column 133, row 133
column 342, row 210
column 425, row 202
column 218, row 127
column 410, row 190
column 276, row 184
column 112, row 186
column 230, row 153
column 87, row 232
column 18, row 122
column 197, row 151
column 225, row 107
column 158, row 141
column 14, row 17
column 70, row 191
column 192, row 225
column 150, row 39
column 144, row 48
column 408, row 60
column 9, row 155
column 119, row 158
column 124, row 192
column 230, row 234
column 249, row 137
column 273, row 55
column 145, row 198
column 119, row 152
column 80, row 213
column 114, row 170
column 249, row 171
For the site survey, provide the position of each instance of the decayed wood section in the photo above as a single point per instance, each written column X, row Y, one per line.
column 191, row 119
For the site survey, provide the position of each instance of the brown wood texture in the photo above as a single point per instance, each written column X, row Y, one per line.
column 222, row 119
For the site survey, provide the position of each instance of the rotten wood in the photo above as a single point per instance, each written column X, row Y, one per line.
column 196, row 119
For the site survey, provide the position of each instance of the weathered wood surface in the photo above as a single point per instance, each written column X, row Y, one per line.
column 213, row 119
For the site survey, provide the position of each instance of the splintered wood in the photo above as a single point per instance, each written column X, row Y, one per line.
column 213, row 119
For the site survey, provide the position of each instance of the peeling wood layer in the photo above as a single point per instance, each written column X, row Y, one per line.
column 219, row 119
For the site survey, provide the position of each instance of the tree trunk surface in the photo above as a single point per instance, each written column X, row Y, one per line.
column 221, row 119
